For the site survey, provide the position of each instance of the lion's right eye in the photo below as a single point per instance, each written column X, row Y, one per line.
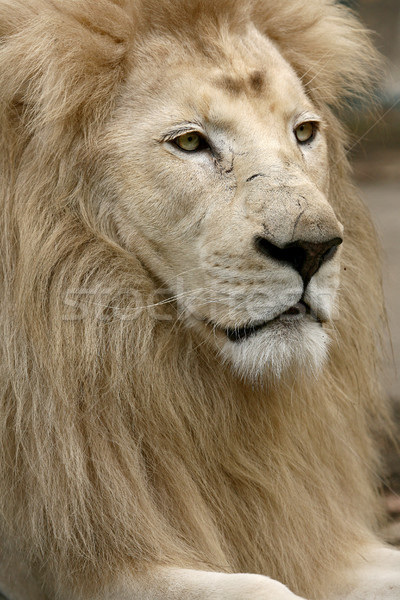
column 190, row 142
column 305, row 132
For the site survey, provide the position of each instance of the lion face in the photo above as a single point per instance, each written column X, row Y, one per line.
column 222, row 190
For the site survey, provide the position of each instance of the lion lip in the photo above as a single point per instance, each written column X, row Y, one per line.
column 295, row 312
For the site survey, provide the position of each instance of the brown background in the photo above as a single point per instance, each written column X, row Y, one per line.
column 376, row 160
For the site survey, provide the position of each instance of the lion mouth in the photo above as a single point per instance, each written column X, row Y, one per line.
column 294, row 313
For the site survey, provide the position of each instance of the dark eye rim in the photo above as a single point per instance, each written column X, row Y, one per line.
column 315, row 129
column 204, row 144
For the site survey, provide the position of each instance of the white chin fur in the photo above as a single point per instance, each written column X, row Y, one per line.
column 280, row 347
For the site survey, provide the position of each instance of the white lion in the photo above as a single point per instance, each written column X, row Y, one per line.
column 190, row 305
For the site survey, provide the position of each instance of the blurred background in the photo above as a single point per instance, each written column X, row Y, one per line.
column 375, row 154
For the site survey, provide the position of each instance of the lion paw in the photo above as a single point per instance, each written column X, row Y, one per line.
column 220, row 586
column 377, row 578
column 181, row 584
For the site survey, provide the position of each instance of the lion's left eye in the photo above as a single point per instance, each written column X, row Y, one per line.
column 190, row 142
column 305, row 132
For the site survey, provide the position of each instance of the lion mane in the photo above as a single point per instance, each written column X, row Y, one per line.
column 125, row 443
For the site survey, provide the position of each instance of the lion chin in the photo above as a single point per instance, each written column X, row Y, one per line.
column 190, row 305
column 280, row 348
column 296, row 341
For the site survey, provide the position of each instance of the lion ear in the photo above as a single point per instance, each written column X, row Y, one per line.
column 326, row 44
column 62, row 60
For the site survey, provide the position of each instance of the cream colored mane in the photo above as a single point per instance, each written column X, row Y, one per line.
column 124, row 441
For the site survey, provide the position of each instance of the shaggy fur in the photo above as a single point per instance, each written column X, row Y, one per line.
column 124, row 443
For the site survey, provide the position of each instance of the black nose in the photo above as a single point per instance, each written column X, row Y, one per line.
column 305, row 257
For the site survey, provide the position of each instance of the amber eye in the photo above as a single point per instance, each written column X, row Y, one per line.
column 190, row 142
column 305, row 132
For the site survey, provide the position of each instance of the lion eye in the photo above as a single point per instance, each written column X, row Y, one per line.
column 305, row 132
column 190, row 142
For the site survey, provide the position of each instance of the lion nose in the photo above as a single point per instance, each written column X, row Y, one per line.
column 305, row 257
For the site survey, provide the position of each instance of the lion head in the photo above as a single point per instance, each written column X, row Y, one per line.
column 222, row 189
column 190, row 292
